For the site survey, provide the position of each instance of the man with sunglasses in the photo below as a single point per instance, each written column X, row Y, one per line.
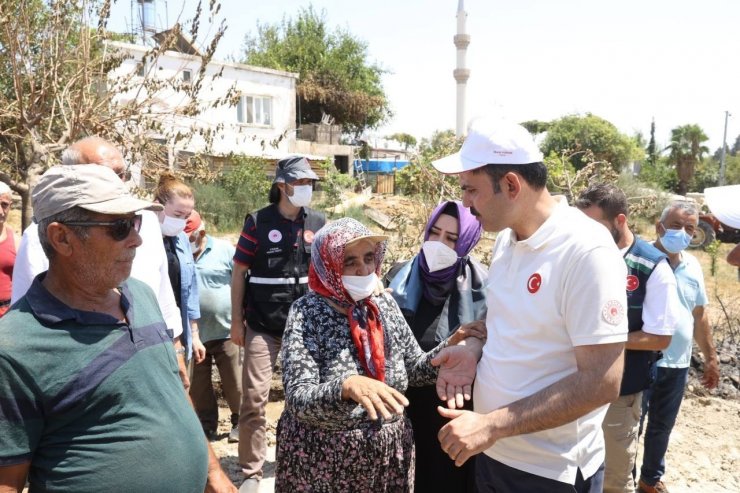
column 150, row 265
column 89, row 395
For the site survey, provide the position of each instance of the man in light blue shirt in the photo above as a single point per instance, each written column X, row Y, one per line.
column 675, row 229
column 214, row 265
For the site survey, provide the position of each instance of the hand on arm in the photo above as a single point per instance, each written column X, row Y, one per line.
column 703, row 337
column 238, row 324
column 476, row 329
column 457, row 366
column 13, row 478
column 595, row 383
column 376, row 397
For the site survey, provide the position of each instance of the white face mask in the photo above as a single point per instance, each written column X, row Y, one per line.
column 360, row 287
column 438, row 255
column 172, row 226
column 301, row 195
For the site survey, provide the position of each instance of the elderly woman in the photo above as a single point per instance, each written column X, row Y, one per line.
column 439, row 291
column 348, row 356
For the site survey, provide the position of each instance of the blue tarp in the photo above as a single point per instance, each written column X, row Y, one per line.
column 381, row 165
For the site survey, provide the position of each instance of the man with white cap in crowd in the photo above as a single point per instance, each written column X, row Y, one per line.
column 556, row 325
column 150, row 265
column 89, row 395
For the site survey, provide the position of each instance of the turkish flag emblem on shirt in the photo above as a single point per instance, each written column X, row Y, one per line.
column 632, row 283
column 534, row 283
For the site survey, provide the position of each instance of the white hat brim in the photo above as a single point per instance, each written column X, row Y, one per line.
column 455, row 163
column 722, row 201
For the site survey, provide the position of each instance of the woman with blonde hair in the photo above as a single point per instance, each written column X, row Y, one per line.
column 178, row 201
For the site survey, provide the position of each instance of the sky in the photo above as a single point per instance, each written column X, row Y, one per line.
column 627, row 61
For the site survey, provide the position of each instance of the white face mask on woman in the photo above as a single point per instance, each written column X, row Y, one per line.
column 438, row 255
column 301, row 195
column 172, row 226
column 360, row 287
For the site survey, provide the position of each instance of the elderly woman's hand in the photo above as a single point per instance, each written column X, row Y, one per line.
column 457, row 365
column 375, row 396
column 476, row 328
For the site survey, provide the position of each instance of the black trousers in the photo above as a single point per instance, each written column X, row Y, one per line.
column 494, row 477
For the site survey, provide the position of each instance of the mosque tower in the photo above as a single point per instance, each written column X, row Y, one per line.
column 462, row 40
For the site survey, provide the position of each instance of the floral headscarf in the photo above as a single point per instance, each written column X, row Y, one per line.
column 325, row 278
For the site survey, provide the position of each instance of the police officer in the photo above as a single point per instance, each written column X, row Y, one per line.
column 270, row 272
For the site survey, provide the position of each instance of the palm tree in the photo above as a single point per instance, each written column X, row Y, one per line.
column 686, row 152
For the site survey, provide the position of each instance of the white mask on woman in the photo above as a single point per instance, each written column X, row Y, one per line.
column 172, row 226
column 360, row 287
column 438, row 255
column 301, row 195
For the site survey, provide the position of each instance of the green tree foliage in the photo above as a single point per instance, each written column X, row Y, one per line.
column 661, row 174
column 336, row 77
column 564, row 179
column 420, row 179
column 536, row 126
column 652, row 150
column 735, row 146
column 686, row 151
column 575, row 134
column 407, row 140
column 59, row 82
column 334, row 185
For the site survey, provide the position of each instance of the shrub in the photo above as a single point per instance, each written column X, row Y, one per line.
column 242, row 189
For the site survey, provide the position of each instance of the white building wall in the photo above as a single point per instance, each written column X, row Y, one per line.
column 232, row 136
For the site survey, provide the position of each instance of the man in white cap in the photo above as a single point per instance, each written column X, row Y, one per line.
column 556, row 325
column 90, row 399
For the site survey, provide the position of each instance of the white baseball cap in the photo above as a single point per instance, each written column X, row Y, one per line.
column 491, row 141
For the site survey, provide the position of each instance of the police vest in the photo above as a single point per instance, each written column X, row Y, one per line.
column 641, row 260
column 278, row 274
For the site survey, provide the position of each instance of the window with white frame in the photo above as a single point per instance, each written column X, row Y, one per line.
column 187, row 76
column 255, row 110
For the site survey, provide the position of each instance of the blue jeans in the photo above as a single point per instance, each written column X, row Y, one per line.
column 660, row 403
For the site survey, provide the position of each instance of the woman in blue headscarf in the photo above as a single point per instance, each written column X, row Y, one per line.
column 438, row 291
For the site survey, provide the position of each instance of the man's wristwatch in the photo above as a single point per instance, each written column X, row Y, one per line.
column 180, row 350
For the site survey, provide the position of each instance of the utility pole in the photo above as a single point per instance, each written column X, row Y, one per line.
column 722, row 153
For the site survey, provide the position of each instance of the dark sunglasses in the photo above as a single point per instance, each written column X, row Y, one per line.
column 118, row 229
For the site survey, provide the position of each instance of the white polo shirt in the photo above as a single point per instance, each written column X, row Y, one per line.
column 562, row 287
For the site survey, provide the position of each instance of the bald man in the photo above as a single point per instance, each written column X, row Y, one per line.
column 150, row 263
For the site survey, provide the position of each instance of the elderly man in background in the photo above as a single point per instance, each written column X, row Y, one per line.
column 90, row 399
column 150, row 265
column 663, row 400
column 8, row 247
column 213, row 267
column 652, row 312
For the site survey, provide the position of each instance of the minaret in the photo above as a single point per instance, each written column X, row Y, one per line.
column 462, row 40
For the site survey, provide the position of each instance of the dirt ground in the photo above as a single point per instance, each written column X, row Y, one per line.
column 703, row 456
